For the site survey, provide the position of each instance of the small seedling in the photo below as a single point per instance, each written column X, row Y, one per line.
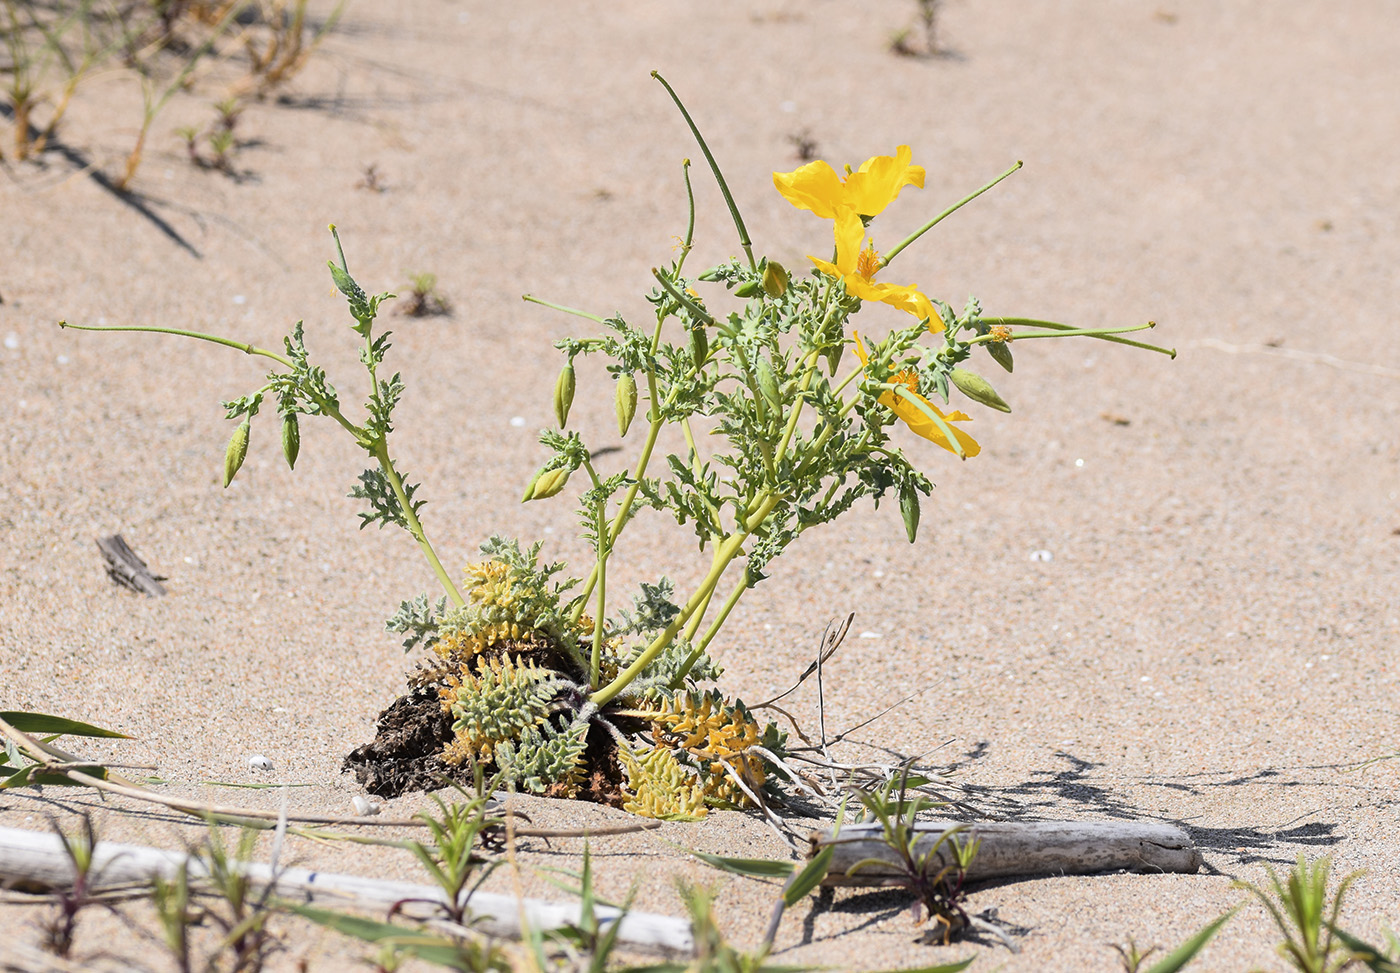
column 935, row 872
column 244, row 911
column 902, row 41
column 803, row 145
column 451, row 857
column 372, row 179
column 61, row 927
column 1306, row 914
column 1132, row 959
column 424, row 299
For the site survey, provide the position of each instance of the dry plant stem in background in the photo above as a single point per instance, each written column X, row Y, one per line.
column 551, row 682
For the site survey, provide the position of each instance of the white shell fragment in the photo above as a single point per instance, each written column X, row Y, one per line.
column 258, row 762
column 364, row 807
column 1042, row 555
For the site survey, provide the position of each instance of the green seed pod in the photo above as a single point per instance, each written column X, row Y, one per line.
column 291, row 438
column 549, row 483
column 909, row 509
column 564, row 394
column 775, row 279
column 1001, row 354
column 978, row 389
column 699, row 346
column 747, row 289
column 625, row 402
column 237, row 451
column 768, row 384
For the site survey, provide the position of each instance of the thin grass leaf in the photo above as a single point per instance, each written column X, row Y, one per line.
column 809, row 878
column 44, row 723
column 1372, row 957
column 748, row 867
column 954, row 967
column 1184, row 953
column 433, row 949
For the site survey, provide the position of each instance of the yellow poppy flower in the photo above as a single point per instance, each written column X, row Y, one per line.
column 914, row 417
column 867, row 191
column 857, row 263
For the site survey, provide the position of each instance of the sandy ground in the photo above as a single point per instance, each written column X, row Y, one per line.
column 1211, row 641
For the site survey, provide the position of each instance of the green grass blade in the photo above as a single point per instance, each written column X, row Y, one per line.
column 748, row 867
column 43, row 723
column 1184, row 953
column 804, row 881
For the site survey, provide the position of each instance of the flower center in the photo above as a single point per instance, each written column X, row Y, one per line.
column 868, row 263
column 908, row 378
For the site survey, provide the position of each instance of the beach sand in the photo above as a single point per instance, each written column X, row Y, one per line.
column 1166, row 590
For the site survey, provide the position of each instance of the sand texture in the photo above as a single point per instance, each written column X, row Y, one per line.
column 1166, row 590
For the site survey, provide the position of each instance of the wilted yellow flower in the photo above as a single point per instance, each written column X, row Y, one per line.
column 913, row 416
column 865, row 192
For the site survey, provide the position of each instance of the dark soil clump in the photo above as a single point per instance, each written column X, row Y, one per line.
column 405, row 754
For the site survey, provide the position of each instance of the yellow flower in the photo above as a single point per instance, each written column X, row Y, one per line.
column 866, row 192
column 857, row 263
column 914, row 417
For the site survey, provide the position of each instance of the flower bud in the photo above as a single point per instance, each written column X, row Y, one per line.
column 978, row 389
column 291, row 438
column 547, row 484
column 747, row 289
column 625, row 402
column 909, row 509
column 775, row 279
column 768, row 384
column 699, row 346
column 564, row 394
column 1001, row 354
column 237, row 450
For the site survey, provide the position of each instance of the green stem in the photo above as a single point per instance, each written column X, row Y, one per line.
column 727, row 552
column 532, row 299
column 891, row 254
column 918, row 402
column 1055, row 329
column 698, row 649
column 714, row 167
column 797, row 406
column 242, row 346
column 415, row 526
column 601, row 568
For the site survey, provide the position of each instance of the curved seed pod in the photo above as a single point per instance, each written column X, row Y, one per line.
column 564, row 394
column 978, row 389
column 291, row 438
column 768, row 384
column 775, row 279
column 625, row 402
column 1001, row 354
column 699, row 346
column 748, row 288
column 909, row 510
column 237, row 451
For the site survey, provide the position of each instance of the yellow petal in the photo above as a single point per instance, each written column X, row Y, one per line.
column 830, row 269
column 850, row 234
column 922, row 425
column 815, row 187
column 879, row 180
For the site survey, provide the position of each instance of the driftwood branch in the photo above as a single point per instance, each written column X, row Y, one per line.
column 126, row 568
column 1021, row 848
column 36, row 861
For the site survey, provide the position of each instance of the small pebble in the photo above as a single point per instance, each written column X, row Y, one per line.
column 1042, row 555
column 364, row 807
column 12, row 341
column 258, row 762
column 517, row 421
column 870, row 635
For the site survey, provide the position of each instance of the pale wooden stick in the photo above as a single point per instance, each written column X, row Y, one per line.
column 1016, row 848
column 36, row 860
